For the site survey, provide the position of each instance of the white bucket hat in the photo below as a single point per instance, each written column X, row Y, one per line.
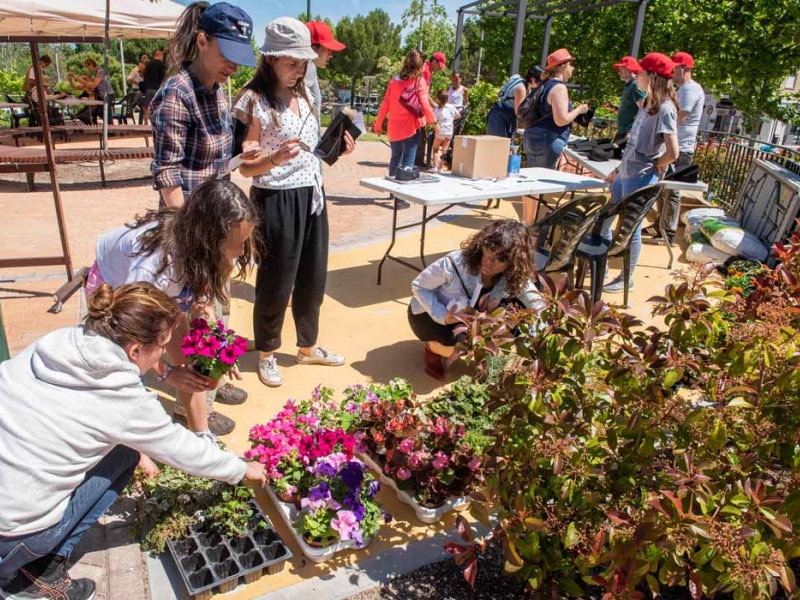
column 288, row 37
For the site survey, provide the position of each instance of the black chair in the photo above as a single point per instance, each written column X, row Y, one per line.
column 16, row 117
column 560, row 232
column 127, row 106
column 595, row 251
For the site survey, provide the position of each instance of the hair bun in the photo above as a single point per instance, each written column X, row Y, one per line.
column 101, row 301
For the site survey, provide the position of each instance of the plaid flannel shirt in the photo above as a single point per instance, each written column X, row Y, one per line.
column 192, row 134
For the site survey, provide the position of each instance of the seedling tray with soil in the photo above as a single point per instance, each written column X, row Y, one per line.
column 212, row 563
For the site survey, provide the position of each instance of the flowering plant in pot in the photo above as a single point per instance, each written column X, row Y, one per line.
column 341, row 505
column 426, row 456
column 214, row 349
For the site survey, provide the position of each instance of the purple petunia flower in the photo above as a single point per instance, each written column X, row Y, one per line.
column 321, row 492
column 373, row 488
column 352, row 474
column 359, row 511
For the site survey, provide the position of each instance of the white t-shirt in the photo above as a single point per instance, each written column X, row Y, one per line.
column 456, row 97
column 691, row 98
column 305, row 169
column 445, row 117
column 135, row 77
column 117, row 264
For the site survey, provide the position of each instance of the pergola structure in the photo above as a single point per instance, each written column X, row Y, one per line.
column 540, row 10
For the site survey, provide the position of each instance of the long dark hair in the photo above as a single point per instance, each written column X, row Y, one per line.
column 191, row 237
column 183, row 43
column 265, row 83
column 660, row 90
column 510, row 241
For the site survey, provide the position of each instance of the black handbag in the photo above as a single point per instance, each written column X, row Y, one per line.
column 332, row 145
column 687, row 174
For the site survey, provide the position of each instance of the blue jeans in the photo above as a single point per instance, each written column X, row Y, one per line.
column 619, row 190
column 403, row 153
column 542, row 147
column 88, row 502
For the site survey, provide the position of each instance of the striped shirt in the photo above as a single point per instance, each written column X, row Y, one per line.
column 192, row 134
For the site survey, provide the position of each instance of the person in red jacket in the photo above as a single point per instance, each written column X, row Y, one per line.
column 403, row 125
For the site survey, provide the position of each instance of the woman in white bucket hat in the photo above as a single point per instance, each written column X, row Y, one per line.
column 287, row 189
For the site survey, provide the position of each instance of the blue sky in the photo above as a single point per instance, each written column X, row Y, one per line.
column 263, row 11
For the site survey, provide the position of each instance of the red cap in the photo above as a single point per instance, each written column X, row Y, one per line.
column 683, row 59
column 658, row 63
column 630, row 63
column 559, row 57
column 321, row 34
column 440, row 58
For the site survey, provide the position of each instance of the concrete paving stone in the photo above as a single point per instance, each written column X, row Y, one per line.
column 121, row 513
column 128, row 585
column 91, row 548
column 97, row 574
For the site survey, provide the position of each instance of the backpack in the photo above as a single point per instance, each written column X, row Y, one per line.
column 530, row 112
column 409, row 100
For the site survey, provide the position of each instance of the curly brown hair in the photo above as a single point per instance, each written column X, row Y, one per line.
column 511, row 242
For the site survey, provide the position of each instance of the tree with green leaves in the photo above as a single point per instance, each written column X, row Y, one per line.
column 368, row 38
column 427, row 21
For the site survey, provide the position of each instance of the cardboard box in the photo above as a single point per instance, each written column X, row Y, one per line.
column 479, row 156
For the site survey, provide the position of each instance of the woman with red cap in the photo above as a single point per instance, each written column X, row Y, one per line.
column 652, row 147
column 545, row 141
column 324, row 44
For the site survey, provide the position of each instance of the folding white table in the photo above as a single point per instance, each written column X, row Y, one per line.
column 450, row 190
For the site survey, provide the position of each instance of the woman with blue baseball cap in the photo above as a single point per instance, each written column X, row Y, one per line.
column 193, row 140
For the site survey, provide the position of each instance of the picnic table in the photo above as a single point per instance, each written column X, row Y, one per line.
column 449, row 190
column 71, row 101
column 75, row 127
column 12, row 105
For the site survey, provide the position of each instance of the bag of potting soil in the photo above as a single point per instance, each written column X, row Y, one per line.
column 700, row 251
column 703, row 213
column 732, row 239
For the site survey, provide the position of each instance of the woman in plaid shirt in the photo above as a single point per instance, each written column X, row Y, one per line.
column 192, row 131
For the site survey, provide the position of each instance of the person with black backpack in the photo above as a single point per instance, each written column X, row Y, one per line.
column 547, row 114
column 502, row 117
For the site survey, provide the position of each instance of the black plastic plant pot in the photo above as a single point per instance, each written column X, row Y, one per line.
column 211, row 563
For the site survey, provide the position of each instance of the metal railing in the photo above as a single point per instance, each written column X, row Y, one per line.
column 723, row 158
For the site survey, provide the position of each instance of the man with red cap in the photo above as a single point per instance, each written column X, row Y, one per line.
column 436, row 62
column 324, row 44
column 631, row 95
column 691, row 99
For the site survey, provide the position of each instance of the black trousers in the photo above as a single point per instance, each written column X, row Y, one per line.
column 294, row 256
column 428, row 330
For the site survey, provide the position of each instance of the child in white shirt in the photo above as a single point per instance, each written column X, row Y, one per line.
column 445, row 114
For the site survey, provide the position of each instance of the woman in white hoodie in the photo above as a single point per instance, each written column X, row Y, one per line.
column 74, row 416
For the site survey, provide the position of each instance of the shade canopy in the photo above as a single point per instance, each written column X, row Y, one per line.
column 48, row 19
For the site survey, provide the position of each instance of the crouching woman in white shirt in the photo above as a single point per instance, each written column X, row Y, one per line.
column 496, row 263
column 74, row 416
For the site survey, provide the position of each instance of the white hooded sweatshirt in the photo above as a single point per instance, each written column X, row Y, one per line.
column 65, row 402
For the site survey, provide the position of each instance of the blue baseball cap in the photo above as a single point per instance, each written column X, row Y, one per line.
column 233, row 30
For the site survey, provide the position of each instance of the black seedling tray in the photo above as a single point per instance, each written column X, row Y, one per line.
column 210, row 563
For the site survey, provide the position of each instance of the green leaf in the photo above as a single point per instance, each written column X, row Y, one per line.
column 739, row 402
column 571, row 537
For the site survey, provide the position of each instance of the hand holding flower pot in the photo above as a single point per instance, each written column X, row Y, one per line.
column 213, row 349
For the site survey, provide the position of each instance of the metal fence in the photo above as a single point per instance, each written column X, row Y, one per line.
column 723, row 158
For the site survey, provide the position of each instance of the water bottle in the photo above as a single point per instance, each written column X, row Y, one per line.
column 514, row 161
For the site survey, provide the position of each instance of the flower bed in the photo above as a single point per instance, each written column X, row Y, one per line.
column 324, row 493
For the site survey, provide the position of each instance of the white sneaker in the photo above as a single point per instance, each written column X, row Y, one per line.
column 268, row 371
column 320, row 356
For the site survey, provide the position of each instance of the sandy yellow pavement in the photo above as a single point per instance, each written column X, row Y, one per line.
column 368, row 324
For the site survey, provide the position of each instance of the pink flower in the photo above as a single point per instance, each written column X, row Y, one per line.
column 440, row 427
column 228, row 356
column 475, row 463
column 440, row 461
column 403, row 474
column 407, row 446
column 345, row 524
column 417, row 459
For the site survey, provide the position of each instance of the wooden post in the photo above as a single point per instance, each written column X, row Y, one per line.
column 51, row 161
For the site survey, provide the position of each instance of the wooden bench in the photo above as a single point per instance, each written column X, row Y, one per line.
column 34, row 160
column 65, row 133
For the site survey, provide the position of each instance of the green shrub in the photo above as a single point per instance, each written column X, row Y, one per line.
column 481, row 98
column 632, row 458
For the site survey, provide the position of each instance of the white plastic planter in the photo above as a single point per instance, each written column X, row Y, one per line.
column 289, row 515
column 426, row 515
